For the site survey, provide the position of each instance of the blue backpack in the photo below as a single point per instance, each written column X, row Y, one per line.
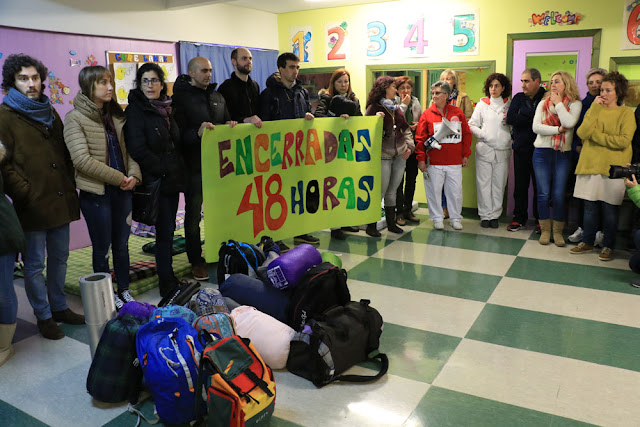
column 169, row 352
column 237, row 257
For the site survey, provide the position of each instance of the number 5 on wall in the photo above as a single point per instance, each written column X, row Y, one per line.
column 464, row 35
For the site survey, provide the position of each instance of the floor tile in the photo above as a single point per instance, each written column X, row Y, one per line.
column 533, row 249
column 597, row 342
column 568, row 388
column 419, row 310
column 476, row 242
column 584, row 303
column 453, row 258
column 347, row 404
column 14, row 417
column 356, row 243
column 446, row 408
column 442, row 281
column 586, row 276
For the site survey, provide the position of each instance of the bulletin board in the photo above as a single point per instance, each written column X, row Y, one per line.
column 124, row 65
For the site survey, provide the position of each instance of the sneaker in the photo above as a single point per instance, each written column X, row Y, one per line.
column 606, row 254
column 126, row 296
column 485, row 223
column 199, row 272
column 576, row 236
column 306, row 238
column 599, row 239
column 118, row 301
column 494, row 223
column 352, row 229
column 69, row 317
column 438, row 225
column 581, row 248
column 636, row 282
column 283, row 248
column 514, row 226
column 456, row 224
column 50, row 329
column 338, row 234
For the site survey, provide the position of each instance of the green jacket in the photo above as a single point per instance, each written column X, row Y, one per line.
column 12, row 236
column 37, row 172
column 634, row 194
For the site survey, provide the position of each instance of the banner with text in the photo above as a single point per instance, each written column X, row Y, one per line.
column 288, row 178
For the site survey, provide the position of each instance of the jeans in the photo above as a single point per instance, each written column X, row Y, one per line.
column 634, row 262
column 592, row 213
column 391, row 173
column 56, row 242
column 108, row 221
column 404, row 199
column 192, row 217
column 552, row 170
column 165, row 226
column 8, row 299
column 522, row 176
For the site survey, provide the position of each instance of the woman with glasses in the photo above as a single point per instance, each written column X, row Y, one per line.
column 105, row 173
column 555, row 118
column 397, row 146
column 442, row 168
column 152, row 138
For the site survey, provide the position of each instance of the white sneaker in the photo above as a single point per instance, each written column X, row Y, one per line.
column 599, row 238
column 576, row 236
column 119, row 303
column 438, row 225
column 456, row 224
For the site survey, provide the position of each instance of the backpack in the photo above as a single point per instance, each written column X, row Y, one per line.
column 339, row 339
column 240, row 386
column 220, row 325
column 207, row 301
column 174, row 311
column 169, row 353
column 236, row 257
column 114, row 374
column 322, row 287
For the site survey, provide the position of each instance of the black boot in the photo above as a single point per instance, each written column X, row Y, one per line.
column 390, row 214
column 372, row 230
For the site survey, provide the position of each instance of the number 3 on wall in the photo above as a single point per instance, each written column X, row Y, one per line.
column 377, row 43
column 462, row 31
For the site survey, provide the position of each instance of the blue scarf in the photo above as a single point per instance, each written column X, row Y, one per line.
column 38, row 111
column 389, row 104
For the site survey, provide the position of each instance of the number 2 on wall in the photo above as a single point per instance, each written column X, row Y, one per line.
column 377, row 43
column 632, row 26
column 461, row 32
column 336, row 44
column 419, row 43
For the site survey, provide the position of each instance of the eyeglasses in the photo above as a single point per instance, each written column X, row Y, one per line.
column 436, row 93
column 150, row 81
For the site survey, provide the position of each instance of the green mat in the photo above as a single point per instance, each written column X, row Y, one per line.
column 79, row 265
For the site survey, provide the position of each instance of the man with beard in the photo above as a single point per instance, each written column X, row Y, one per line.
column 241, row 93
column 197, row 107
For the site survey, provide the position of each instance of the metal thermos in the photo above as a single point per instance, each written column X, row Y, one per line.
column 99, row 307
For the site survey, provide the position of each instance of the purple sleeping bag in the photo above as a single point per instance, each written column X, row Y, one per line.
column 285, row 271
column 247, row 290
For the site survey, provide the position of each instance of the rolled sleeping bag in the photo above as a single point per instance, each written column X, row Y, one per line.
column 285, row 271
column 247, row 290
column 332, row 258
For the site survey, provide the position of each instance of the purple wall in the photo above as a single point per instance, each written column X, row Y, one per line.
column 54, row 50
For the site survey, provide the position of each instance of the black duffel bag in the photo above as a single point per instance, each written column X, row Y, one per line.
column 342, row 337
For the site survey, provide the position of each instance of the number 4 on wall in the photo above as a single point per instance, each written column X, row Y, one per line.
column 416, row 32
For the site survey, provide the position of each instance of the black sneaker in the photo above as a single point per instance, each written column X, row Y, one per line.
column 494, row 223
column 125, row 296
column 514, row 226
column 118, row 301
column 485, row 223
column 338, row 234
column 283, row 248
column 306, row 238
column 636, row 282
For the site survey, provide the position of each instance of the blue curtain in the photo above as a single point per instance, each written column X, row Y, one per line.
column 264, row 61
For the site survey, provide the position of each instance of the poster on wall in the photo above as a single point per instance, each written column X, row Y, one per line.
column 631, row 25
column 301, row 44
column 124, row 75
column 417, row 36
column 377, row 38
column 465, row 37
column 338, row 41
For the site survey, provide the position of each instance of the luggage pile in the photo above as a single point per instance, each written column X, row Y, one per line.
column 212, row 358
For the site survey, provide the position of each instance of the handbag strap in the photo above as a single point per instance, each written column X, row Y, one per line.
column 384, row 367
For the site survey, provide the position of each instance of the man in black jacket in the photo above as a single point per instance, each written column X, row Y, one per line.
column 286, row 98
column 520, row 116
column 197, row 107
column 240, row 91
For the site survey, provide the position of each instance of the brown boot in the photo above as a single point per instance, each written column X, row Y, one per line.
column 6, row 335
column 545, row 231
column 557, row 233
column 400, row 219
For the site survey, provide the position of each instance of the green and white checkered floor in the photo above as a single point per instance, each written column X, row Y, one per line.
column 482, row 327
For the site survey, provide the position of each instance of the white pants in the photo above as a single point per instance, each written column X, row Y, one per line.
column 491, row 180
column 448, row 177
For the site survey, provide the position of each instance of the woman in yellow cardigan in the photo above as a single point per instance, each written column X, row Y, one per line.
column 606, row 133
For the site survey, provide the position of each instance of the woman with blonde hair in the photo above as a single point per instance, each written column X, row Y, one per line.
column 457, row 98
column 554, row 122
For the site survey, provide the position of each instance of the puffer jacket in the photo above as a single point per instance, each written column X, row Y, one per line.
column 278, row 102
column 322, row 110
column 86, row 140
column 12, row 236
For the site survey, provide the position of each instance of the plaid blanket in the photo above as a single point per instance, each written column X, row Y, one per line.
column 139, row 270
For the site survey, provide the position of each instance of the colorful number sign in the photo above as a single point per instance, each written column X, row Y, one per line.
column 631, row 25
column 289, row 177
column 377, row 39
column 465, row 34
column 415, row 39
column 338, row 41
column 301, row 43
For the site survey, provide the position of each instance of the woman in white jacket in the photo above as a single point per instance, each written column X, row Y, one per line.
column 493, row 150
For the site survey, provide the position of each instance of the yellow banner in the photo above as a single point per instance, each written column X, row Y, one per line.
column 288, row 178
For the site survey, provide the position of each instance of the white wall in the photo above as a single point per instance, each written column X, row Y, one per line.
column 145, row 19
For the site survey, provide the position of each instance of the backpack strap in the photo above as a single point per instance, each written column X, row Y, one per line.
column 134, row 410
column 384, row 360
